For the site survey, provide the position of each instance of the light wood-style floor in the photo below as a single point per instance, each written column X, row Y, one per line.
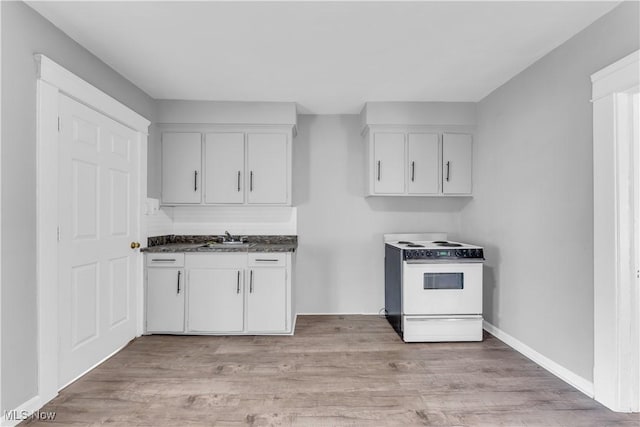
column 335, row 371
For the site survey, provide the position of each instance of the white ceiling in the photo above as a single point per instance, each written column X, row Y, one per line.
column 329, row 57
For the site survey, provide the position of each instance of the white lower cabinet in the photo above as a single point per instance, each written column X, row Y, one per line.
column 215, row 300
column 165, row 293
column 165, row 301
column 267, row 300
column 226, row 293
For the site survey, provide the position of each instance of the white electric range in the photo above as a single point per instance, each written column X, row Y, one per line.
column 433, row 288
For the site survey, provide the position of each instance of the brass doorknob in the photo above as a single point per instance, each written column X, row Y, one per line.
column 135, row 245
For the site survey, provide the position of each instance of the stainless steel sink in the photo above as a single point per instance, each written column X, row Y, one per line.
column 228, row 245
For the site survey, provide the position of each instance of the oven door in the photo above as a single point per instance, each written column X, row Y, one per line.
column 441, row 288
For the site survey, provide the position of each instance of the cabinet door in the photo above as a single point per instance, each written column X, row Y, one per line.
column 267, row 163
column 215, row 300
column 165, row 300
column 224, row 168
column 181, row 163
column 423, row 165
column 456, row 163
column 267, row 300
column 388, row 167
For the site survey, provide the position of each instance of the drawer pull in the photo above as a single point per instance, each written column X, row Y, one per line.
column 163, row 259
column 267, row 260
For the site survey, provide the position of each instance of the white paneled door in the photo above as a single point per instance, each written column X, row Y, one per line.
column 98, row 208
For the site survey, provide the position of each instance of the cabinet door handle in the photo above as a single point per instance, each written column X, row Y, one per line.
column 413, row 171
column 251, row 281
column 195, row 180
column 378, row 170
column 179, row 273
column 238, row 181
column 251, row 181
column 238, row 285
column 448, row 170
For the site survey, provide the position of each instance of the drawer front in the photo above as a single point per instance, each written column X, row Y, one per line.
column 267, row 259
column 165, row 260
column 425, row 329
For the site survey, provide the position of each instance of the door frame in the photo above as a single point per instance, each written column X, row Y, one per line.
column 616, row 262
column 54, row 79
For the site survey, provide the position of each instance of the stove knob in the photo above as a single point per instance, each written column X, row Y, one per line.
column 428, row 253
column 459, row 253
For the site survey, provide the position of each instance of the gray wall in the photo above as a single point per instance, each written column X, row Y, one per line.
column 25, row 33
column 340, row 265
column 533, row 186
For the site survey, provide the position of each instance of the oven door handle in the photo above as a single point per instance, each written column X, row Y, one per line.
column 446, row 319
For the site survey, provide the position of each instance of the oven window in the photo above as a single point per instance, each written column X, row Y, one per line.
column 443, row 281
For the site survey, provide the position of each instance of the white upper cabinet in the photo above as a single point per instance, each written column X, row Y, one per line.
column 388, row 163
column 181, row 167
column 417, row 163
column 229, row 165
column 224, row 167
column 421, row 149
column 423, row 165
column 456, row 161
column 268, row 167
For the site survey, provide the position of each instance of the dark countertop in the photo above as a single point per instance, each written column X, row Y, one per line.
column 195, row 244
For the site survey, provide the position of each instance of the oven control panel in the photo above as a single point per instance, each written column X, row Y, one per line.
column 444, row 254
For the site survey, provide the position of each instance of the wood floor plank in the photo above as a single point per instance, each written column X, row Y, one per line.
column 335, row 371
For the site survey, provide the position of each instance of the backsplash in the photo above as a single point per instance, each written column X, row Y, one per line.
column 215, row 220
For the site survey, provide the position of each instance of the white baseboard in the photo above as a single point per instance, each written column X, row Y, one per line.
column 571, row 378
column 23, row 412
